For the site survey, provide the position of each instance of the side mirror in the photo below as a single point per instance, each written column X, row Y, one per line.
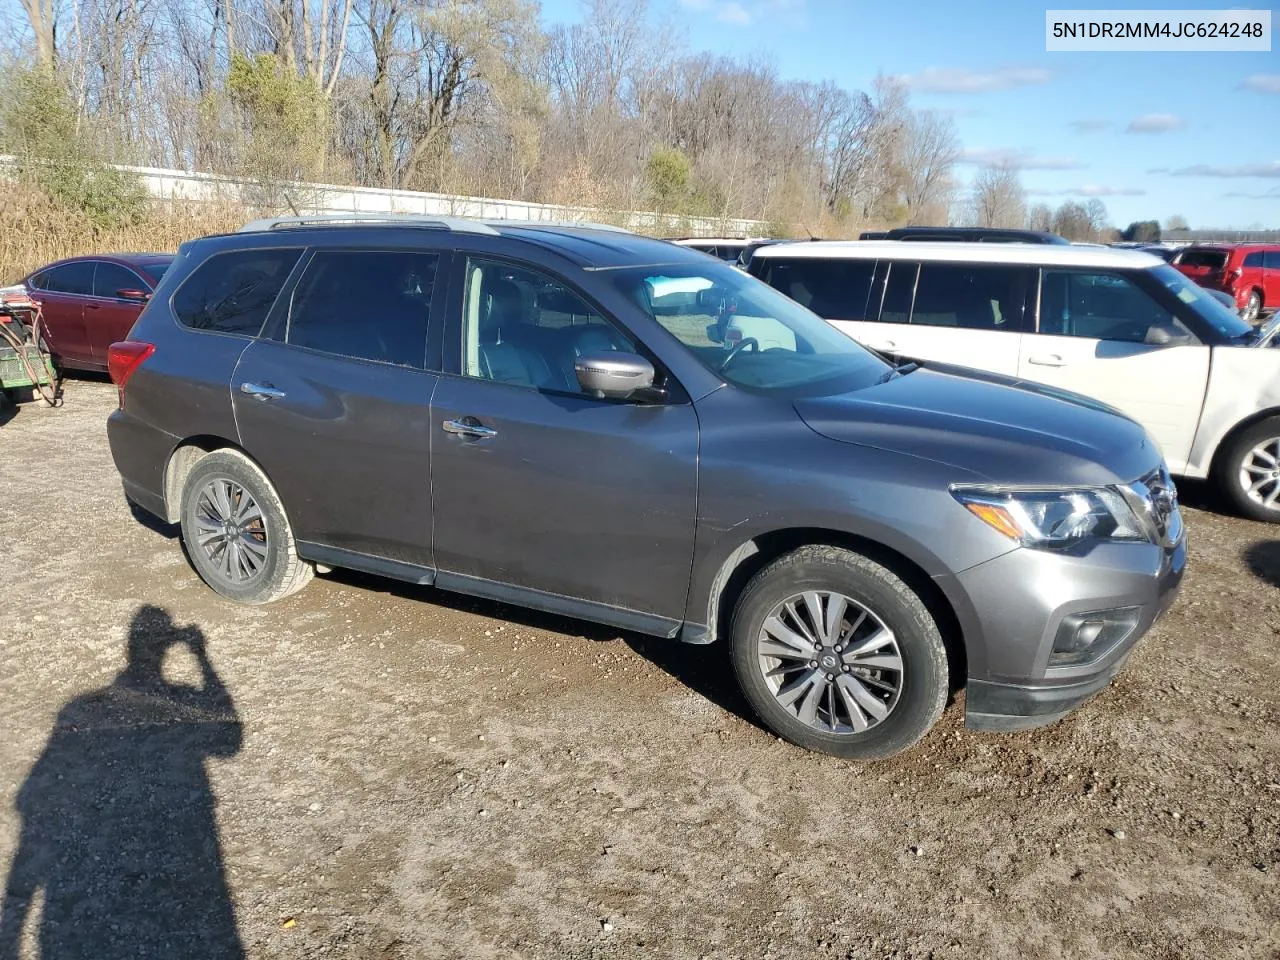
column 613, row 374
column 142, row 296
column 1164, row 335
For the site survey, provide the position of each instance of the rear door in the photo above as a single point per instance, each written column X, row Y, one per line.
column 1093, row 325
column 62, row 291
column 970, row 314
column 108, row 317
column 334, row 402
column 1271, row 279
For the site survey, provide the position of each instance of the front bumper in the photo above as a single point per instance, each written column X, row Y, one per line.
column 1019, row 601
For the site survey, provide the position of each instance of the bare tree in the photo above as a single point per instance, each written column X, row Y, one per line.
column 998, row 198
column 1040, row 217
column 931, row 148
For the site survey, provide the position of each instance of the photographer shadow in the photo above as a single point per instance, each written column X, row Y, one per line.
column 118, row 826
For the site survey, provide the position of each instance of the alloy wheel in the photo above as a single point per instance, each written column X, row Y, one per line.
column 830, row 662
column 231, row 530
column 1260, row 474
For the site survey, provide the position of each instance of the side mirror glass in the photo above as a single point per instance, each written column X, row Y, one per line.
column 613, row 374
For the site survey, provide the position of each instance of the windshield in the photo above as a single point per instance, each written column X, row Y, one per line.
column 749, row 334
column 1221, row 318
column 156, row 268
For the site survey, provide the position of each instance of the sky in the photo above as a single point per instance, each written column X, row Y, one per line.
column 1151, row 134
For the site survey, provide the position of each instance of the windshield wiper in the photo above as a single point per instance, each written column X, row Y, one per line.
column 901, row 370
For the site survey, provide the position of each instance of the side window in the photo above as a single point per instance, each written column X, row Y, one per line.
column 233, row 292
column 899, row 291
column 370, row 305
column 70, row 278
column 38, row 281
column 1271, row 259
column 522, row 327
column 110, row 278
column 1253, row 259
column 833, row 289
column 978, row 297
column 1100, row 306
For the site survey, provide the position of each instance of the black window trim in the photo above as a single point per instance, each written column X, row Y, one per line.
column 53, row 267
column 275, row 327
column 455, row 306
column 289, row 280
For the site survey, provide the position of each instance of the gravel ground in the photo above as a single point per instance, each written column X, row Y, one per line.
column 368, row 769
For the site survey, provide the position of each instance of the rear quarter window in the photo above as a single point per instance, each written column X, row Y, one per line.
column 1213, row 259
column 233, row 292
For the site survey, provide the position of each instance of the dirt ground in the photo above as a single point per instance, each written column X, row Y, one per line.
column 373, row 770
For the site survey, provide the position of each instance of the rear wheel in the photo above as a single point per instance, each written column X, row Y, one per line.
column 1252, row 307
column 1248, row 471
column 837, row 654
column 236, row 532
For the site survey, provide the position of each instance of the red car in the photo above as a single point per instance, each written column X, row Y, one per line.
column 1248, row 272
column 92, row 302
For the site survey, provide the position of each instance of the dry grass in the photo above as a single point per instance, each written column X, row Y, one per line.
column 34, row 230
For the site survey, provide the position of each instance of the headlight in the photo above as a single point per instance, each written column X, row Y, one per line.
column 1055, row 518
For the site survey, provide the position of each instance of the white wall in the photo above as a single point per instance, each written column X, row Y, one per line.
column 182, row 186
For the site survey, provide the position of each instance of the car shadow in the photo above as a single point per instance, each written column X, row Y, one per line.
column 7, row 411
column 119, row 837
column 1199, row 495
column 704, row 669
column 1264, row 561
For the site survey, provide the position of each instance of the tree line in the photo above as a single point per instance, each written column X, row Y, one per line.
column 479, row 97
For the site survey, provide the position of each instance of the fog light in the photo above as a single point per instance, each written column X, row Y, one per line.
column 1083, row 637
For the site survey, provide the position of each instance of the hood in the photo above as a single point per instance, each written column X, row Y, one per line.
column 1006, row 430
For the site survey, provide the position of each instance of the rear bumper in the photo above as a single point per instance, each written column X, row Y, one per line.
column 1014, row 687
column 140, row 452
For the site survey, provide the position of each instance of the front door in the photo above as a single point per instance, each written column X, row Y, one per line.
column 334, row 405
column 544, row 495
column 1271, row 279
column 1093, row 328
column 108, row 317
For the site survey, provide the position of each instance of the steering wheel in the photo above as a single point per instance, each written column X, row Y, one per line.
column 738, row 348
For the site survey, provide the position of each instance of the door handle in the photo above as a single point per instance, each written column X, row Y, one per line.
column 469, row 427
column 261, row 391
column 93, row 306
column 1047, row 360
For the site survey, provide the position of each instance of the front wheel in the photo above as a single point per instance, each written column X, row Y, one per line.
column 1248, row 471
column 236, row 532
column 837, row 654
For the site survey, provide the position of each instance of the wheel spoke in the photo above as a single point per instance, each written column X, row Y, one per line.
column 881, row 661
column 798, row 619
column 813, row 605
column 836, row 606
column 789, row 695
column 857, row 719
column 880, row 638
column 253, row 547
column 222, row 497
column 779, row 631
column 249, row 511
column 809, row 706
column 865, row 698
column 770, row 649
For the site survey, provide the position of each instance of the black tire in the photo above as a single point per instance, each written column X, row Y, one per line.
column 1253, row 308
column 281, row 572
column 923, row 679
column 1231, row 462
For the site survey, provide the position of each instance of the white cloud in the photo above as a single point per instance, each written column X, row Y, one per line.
column 1155, row 123
column 739, row 14
column 1271, row 169
column 1090, row 190
column 1272, row 194
column 1017, row 159
column 1262, row 83
column 1089, row 126
column 961, row 80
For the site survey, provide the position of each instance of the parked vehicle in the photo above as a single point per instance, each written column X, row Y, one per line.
column 728, row 249
column 1249, row 272
column 535, row 414
column 964, row 235
column 1119, row 326
column 91, row 302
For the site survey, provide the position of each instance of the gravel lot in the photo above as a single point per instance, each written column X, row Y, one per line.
column 373, row 770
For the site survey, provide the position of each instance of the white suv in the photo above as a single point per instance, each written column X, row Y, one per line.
column 1117, row 325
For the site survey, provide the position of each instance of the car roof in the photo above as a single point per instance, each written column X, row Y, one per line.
column 687, row 240
column 589, row 246
column 1046, row 254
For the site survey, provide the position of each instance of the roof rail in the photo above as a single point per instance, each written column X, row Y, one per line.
column 458, row 224
column 513, row 222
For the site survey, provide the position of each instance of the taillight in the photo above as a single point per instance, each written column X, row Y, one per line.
column 123, row 359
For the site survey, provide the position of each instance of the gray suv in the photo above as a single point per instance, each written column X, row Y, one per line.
column 537, row 414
